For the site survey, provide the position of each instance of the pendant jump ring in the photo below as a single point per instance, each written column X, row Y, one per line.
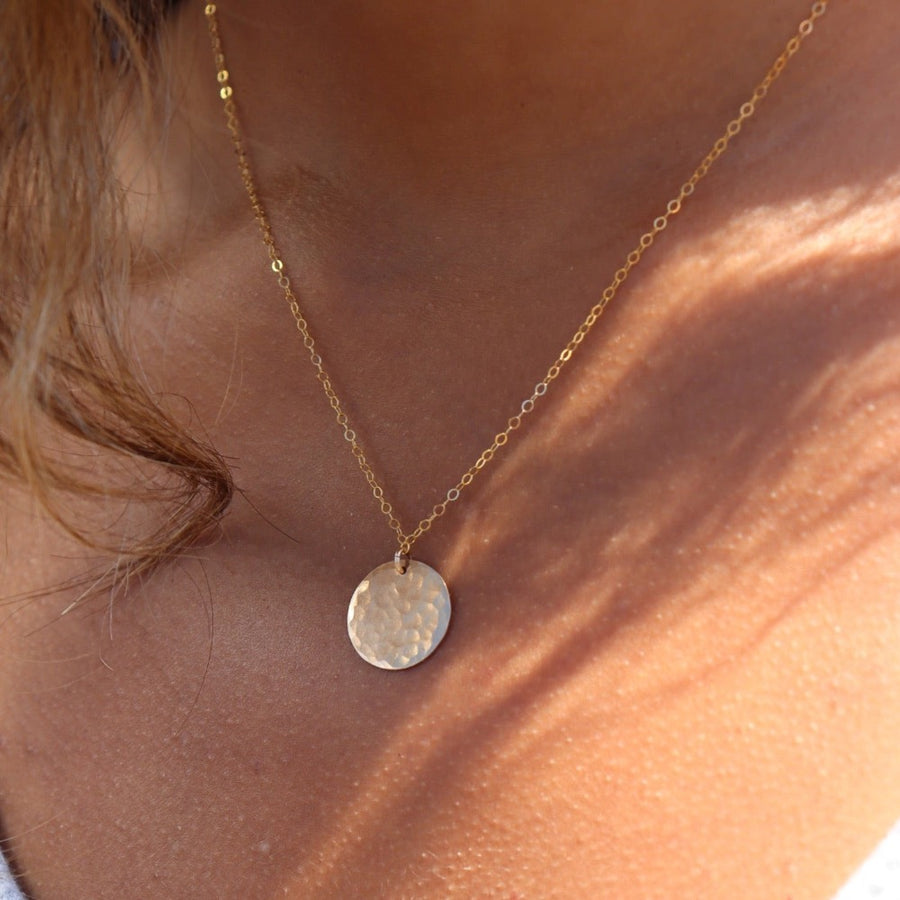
column 401, row 562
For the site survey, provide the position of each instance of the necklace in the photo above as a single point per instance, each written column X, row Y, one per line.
column 400, row 611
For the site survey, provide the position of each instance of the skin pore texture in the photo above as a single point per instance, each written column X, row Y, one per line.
column 672, row 669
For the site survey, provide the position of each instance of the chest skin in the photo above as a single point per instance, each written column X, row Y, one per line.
column 672, row 652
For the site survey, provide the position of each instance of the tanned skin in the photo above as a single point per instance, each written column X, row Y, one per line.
column 672, row 670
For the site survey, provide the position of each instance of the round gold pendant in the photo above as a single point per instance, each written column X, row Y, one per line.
column 397, row 619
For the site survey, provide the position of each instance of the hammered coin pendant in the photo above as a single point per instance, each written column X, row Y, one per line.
column 395, row 619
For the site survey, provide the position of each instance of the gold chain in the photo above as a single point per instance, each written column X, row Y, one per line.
column 407, row 539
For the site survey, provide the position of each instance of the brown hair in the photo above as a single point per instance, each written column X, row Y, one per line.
column 65, row 371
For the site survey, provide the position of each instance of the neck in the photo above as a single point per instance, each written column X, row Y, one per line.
column 409, row 140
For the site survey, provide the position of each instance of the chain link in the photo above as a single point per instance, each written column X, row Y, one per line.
column 406, row 540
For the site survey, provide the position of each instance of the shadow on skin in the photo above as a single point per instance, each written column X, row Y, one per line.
column 725, row 446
